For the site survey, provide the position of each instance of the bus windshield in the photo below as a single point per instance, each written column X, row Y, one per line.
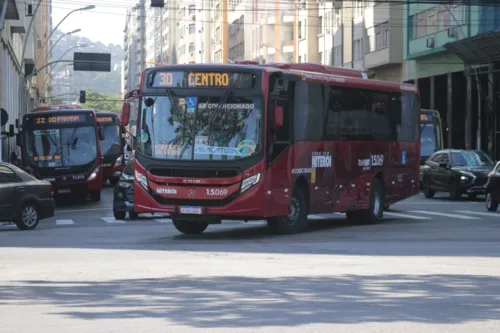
column 429, row 139
column 196, row 128
column 61, row 147
column 111, row 143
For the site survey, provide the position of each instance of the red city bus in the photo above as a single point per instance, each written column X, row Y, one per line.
column 273, row 142
column 60, row 146
column 112, row 146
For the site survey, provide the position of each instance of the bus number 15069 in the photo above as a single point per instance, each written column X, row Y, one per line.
column 216, row 191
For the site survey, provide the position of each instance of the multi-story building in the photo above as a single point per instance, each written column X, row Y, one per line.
column 275, row 38
column 19, row 90
column 241, row 41
column 134, row 45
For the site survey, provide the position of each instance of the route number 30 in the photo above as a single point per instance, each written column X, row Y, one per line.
column 216, row 191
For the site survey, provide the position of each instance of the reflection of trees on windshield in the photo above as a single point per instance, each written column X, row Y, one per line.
column 470, row 158
column 169, row 133
column 62, row 147
column 428, row 140
column 111, row 142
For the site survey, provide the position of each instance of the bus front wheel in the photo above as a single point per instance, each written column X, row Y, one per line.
column 375, row 211
column 190, row 227
column 296, row 221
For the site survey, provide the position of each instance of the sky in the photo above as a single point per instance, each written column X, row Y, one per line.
column 105, row 23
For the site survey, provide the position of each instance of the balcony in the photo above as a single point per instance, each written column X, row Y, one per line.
column 287, row 46
column 288, row 17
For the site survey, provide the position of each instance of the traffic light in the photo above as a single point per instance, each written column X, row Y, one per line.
column 158, row 3
column 83, row 98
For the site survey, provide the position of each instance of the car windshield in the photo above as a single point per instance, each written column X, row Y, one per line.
column 111, row 143
column 470, row 158
column 429, row 142
column 61, row 147
column 194, row 127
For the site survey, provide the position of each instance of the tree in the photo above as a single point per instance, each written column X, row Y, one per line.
column 103, row 102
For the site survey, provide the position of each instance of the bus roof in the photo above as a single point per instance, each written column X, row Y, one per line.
column 306, row 71
column 57, row 110
column 57, row 107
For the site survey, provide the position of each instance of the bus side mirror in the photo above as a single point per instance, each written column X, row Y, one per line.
column 125, row 114
column 19, row 140
column 278, row 116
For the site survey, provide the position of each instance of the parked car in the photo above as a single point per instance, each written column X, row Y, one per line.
column 493, row 189
column 123, row 194
column 24, row 199
column 457, row 172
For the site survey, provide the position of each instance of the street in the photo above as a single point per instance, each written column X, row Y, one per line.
column 432, row 266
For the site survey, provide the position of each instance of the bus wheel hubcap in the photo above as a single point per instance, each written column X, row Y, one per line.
column 294, row 211
column 376, row 203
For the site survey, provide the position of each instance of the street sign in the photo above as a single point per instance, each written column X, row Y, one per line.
column 92, row 62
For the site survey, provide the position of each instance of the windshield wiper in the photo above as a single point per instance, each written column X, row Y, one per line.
column 218, row 110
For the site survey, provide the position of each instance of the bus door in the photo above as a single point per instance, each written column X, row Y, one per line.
column 279, row 140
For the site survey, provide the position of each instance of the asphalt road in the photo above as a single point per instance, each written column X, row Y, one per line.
column 432, row 266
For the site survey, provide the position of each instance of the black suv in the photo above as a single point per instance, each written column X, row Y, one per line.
column 123, row 195
column 457, row 172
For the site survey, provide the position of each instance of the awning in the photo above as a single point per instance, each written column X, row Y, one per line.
column 478, row 49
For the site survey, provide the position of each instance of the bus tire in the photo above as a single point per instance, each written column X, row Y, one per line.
column 95, row 196
column 375, row 211
column 296, row 221
column 119, row 215
column 190, row 227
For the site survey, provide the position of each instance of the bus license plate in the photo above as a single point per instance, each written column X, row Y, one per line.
column 190, row 210
column 64, row 190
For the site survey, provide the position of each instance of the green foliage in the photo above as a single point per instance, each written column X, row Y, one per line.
column 103, row 102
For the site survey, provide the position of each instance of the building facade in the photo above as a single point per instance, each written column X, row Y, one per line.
column 19, row 89
column 134, row 46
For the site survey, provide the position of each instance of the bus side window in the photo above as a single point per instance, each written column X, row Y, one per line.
column 333, row 114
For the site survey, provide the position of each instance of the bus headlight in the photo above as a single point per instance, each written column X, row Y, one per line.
column 94, row 174
column 249, row 182
column 141, row 179
column 118, row 161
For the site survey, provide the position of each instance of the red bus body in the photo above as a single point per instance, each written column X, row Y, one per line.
column 112, row 146
column 60, row 132
column 333, row 160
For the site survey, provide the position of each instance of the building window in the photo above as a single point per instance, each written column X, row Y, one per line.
column 337, row 55
column 437, row 19
column 369, row 43
column 217, row 12
column 300, row 30
column 192, row 10
column 217, row 35
column 382, row 35
column 431, row 21
column 191, row 47
column 192, row 28
column 358, row 49
column 358, row 8
column 321, row 60
column 321, row 28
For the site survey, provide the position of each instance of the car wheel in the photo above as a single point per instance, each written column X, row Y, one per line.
column 27, row 217
column 491, row 205
column 296, row 220
column 190, row 227
column 119, row 215
column 455, row 193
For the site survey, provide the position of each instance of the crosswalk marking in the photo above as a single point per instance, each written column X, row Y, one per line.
column 112, row 220
column 478, row 213
column 414, row 217
column 64, row 222
column 455, row 216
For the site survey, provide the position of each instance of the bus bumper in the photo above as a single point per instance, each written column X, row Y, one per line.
column 71, row 187
column 253, row 204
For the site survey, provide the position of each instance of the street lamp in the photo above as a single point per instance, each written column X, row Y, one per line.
column 45, row 86
column 279, row 51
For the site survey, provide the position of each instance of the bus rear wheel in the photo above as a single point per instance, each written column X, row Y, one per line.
column 375, row 211
column 190, row 227
column 296, row 221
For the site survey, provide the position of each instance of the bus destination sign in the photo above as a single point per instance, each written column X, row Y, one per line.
column 59, row 120
column 107, row 119
column 189, row 79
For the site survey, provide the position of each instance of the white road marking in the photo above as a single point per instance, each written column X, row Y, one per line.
column 478, row 213
column 112, row 220
column 455, row 216
column 325, row 216
column 64, row 222
column 7, row 225
column 406, row 216
column 83, row 210
column 163, row 220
